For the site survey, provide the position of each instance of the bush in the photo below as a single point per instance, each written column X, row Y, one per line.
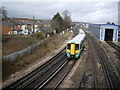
column 5, row 38
column 39, row 35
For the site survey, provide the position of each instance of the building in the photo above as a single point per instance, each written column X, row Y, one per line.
column 24, row 26
column 105, row 32
column 17, row 27
column 119, row 33
column 7, row 27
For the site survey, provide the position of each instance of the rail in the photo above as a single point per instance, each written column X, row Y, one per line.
column 29, row 76
column 111, row 83
column 114, row 45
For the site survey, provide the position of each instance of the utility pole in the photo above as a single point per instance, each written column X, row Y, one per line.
column 33, row 24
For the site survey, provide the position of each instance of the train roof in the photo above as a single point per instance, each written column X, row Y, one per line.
column 81, row 31
column 79, row 38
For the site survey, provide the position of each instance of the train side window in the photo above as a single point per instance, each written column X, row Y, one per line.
column 68, row 46
column 77, row 47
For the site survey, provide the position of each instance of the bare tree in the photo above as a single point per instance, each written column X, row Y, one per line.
column 3, row 12
column 67, row 18
column 41, row 27
column 66, row 13
column 108, row 22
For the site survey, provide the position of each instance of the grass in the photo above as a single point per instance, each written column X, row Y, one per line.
column 52, row 43
column 16, row 43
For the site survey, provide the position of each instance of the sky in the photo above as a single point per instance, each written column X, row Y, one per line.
column 93, row 12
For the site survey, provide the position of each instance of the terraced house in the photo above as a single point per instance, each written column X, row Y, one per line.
column 20, row 26
column 7, row 27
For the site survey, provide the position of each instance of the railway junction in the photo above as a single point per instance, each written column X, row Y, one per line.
column 96, row 67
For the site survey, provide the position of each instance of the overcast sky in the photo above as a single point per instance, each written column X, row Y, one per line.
column 95, row 12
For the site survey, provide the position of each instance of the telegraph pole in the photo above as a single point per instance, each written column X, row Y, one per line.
column 33, row 24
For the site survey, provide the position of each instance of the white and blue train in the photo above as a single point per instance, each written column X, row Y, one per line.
column 75, row 46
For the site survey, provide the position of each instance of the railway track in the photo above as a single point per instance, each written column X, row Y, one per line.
column 49, row 75
column 93, row 65
column 42, row 75
column 110, row 77
column 114, row 46
column 114, row 64
column 26, row 80
column 57, row 80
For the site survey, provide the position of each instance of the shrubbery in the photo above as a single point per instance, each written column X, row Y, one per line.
column 39, row 35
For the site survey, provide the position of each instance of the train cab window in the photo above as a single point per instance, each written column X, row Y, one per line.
column 68, row 46
column 76, row 46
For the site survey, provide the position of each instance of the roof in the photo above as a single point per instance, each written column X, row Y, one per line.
column 24, row 21
column 6, row 22
column 107, row 24
column 79, row 38
column 15, row 22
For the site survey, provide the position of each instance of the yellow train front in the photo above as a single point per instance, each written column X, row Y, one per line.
column 75, row 46
column 73, row 49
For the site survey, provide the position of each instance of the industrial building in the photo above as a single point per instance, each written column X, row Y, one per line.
column 106, row 32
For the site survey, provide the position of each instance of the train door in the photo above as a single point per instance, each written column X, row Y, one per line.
column 72, row 50
column 108, row 34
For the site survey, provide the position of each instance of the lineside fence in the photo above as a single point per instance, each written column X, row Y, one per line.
column 21, row 53
column 29, row 50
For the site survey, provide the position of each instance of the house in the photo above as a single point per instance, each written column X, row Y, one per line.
column 7, row 27
column 104, row 32
column 25, row 26
column 22, row 25
column 17, row 27
column 38, row 26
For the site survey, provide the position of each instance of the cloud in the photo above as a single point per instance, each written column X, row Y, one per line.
column 61, row 1
column 97, row 12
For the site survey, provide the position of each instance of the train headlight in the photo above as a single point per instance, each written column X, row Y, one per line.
column 77, row 51
column 68, row 51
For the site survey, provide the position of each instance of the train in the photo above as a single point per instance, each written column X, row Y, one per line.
column 74, row 47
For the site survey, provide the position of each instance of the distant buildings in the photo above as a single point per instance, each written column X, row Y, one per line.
column 105, row 32
column 23, row 26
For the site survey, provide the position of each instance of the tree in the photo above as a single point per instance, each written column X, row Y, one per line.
column 41, row 26
column 108, row 22
column 3, row 12
column 57, row 22
column 66, row 13
column 113, row 23
column 67, row 18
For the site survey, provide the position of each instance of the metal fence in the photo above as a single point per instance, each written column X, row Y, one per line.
column 21, row 53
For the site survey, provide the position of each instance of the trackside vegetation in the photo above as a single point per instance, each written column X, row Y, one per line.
column 47, row 47
column 51, row 42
